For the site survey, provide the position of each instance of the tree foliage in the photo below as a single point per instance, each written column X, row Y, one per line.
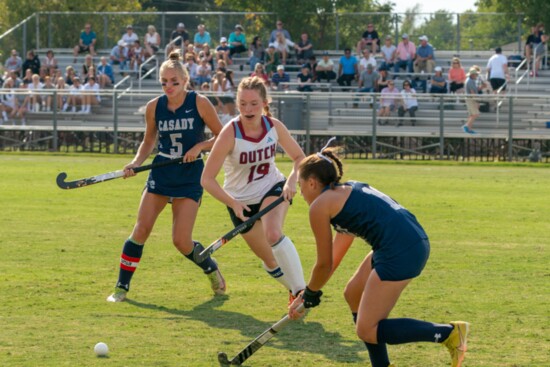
column 534, row 11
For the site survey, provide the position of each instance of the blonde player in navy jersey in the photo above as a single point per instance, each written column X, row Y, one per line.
column 400, row 250
column 178, row 119
column 246, row 149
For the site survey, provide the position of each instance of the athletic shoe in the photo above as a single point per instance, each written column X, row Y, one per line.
column 466, row 129
column 456, row 342
column 118, row 295
column 217, row 283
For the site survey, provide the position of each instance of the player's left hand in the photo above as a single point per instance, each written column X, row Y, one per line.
column 293, row 313
column 192, row 154
column 289, row 191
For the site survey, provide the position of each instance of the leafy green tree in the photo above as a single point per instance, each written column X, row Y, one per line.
column 440, row 30
column 534, row 11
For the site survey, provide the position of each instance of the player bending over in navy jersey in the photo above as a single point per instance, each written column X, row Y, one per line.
column 400, row 249
column 177, row 119
column 246, row 149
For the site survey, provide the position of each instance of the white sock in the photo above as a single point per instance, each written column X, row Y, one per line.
column 65, row 106
column 277, row 273
column 289, row 261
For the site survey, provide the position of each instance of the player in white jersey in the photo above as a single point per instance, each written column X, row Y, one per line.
column 246, row 149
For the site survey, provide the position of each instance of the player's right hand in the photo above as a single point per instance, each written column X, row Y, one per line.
column 129, row 170
column 239, row 208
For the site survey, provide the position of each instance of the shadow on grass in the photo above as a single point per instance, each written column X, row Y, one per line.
column 300, row 336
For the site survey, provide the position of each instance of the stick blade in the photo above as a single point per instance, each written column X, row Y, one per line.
column 223, row 360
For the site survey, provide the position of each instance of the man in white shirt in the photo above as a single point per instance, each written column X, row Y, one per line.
column 497, row 70
column 366, row 59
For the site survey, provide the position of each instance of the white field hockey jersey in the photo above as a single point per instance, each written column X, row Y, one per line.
column 250, row 170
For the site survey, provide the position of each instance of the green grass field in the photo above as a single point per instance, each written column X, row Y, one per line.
column 489, row 226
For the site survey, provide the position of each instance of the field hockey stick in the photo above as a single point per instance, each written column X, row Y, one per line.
column 256, row 344
column 235, row 231
column 108, row 176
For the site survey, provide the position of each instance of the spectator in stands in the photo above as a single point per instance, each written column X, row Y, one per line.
column 483, row 86
column 151, row 41
column 256, row 52
column 88, row 63
column 222, row 66
column 50, row 62
column 423, row 63
column 105, row 74
column 368, row 82
column 497, row 71
column 404, row 55
column 86, row 42
column 75, row 96
column 222, row 51
column 48, row 98
column 325, row 68
column 130, row 36
column 279, row 28
column 9, row 104
column 259, row 71
column 190, row 50
column 388, row 52
column 389, row 100
column 207, row 54
column 282, row 46
column 272, row 60
column 347, row 69
column 33, row 100
column 237, row 41
column 366, row 59
column 304, row 79
column 535, row 45
column 181, row 32
column 311, row 64
column 120, row 56
column 17, row 81
column 304, row 48
column 471, row 101
column 14, row 63
column 32, row 62
column 457, row 76
column 69, row 75
column 201, row 38
column 60, row 87
column 439, row 83
column 27, row 78
column 204, row 72
column 369, row 39
column 192, row 68
column 280, row 77
column 136, row 56
column 43, row 73
column 90, row 95
column 408, row 103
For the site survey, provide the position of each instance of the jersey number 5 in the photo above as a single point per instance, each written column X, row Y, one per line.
column 257, row 172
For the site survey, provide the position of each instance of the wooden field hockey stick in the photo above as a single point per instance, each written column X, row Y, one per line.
column 235, row 231
column 256, row 344
column 108, row 176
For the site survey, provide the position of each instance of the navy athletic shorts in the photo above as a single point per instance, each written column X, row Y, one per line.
column 401, row 261
column 177, row 180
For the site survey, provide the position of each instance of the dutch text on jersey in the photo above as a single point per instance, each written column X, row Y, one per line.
column 257, row 155
column 176, row 124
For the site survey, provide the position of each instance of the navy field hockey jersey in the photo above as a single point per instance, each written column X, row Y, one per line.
column 178, row 131
column 377, row 218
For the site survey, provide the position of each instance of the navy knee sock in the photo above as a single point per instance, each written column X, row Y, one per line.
column 399, row 331
column 129, row 260
column 378, row 353
column 208, row 265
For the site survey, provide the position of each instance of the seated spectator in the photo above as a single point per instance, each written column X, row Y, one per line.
column 14, row 63
column 69, row 75
column 282, row 46
column 205, row 87
column 204, row 72
column 279, row 29
column 369, row 39
column 32, row 62
column 280, row 77
column 311, row 64
column 27, row 78
column 388, row 52
column 325, row 69
column 535, row 45
column 120, row 56
column 42, row 73
column 192, row 68
column 404, row 55
column 389, row 100
column 271, row 60
column 222, row 51
column 130, row 36
column 90, row 95
column 260, row 73
column 221, row 66
column 304, row 48
column 424, row 63
column 201, row 38
column 47, row 99
column 457, row 76
column 136, row 54
column 9, row 104
column 86, row 42
column 368, row 82
column 366, row 59
column 439, row 83
column 33, row 100
column 347, row 69
column 50, row 62
column 61, row 87
column 105, row 74
column 304, row 80
column 408, row 104
column 88, row 63
column 207, row 54
column 256, row 52
column 75, row 96
column 237, row 41
column 151, row 41
column 179, row 38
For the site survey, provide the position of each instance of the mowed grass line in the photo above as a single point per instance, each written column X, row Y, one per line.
column 59, row 250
